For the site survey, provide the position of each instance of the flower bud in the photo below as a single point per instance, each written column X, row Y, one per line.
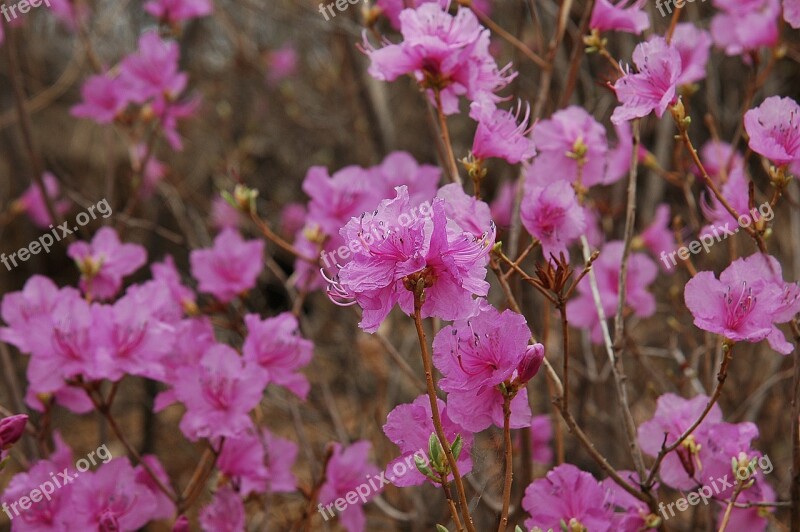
column 531, row 362
column 11, row 430
column 181, row 524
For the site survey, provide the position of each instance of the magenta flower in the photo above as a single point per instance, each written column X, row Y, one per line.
column 103, row 99
column 275, row 344
column 165, row 508
column 629, row 512
column 219, row 393
column 392, row 8
column 259, row 463
column 791, row 12
column 480, row 408
column 193, row 337
column 335, row 199
column 33, row 204
column 571, row 496
column 746, row 302
column 281, row 64
column 451, row 264
column 225, row 513
column 620, row 15
column 753, row 518
column 653, row 87
column 774, row 130
column 169, row 112
column 499, row 134
column 174, row 11
column 658, row 238
column 541, row 439
column 105, row 262
column 347, row 469
column 470, row 215
column 400, row 168
column 27, row 312
column 410, row 427
column 552, row 214
column 642, row 271
column 166, row 275
column 503, row 205
column 736, row 191
column 230, row 268
column 444, row 53
column 152, row 72
column 293, row 218
column 694, row 47
column 715, row 156
column 620, row 155
column 224, row 215
column 11, row 430
column 111, row 499
column 572, row 146
column 745, row 25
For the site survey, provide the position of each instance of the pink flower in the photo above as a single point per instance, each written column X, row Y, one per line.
column 571, row 496
column 165, row 508
column 570, row 135
column 224, row 215
column 753, row 518
column 111, row 499
column 451, row 263
column 293, row 218
column 499, row 135
column 28, row 312
column 174, row 11
column 541, row 438
column 774, row 130
column 193, row 337
column 694, row 47
column 736, row 192
column 503, row 205
column 275, row 344
column 281, row 64
column 745, row 25
column 642, row 271
column 397, row 169
column 630, row 512
column 11, row 430
column 152, row 72
column 480, row 408
column 470, row 215
column 443, row 52
column 653, row 88
column 169, row 112
column 410, row 427
column 225, row 513
column 259, row 462
column 620, row 156
column 715, row 156
column 791, row 12
column 169, row 279
column 105, row 262
column 619, row 15
column 658, row 238
column 69, row 13
column 335, row 199
column 219, row 393
column 104, row 98
column 552, row 214
column 746, row 302
column 230, row 268
column 347, row 469
column 33, row 204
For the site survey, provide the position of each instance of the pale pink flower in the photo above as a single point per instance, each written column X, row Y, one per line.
column 230, row 268
column 552, row 214
column 620, row 15
column 774, row 130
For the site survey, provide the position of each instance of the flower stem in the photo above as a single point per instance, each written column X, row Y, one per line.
column 452, row 167
column 509, row 462
column 729, row 508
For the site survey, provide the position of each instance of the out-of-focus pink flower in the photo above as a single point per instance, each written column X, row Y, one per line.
column 181, row 524
column 168, row 276
column 400, row 168
column 103, row 99
column 335, row 199
column 499, row 134
column 275, row 344
column 193, row 337
column 452, row 264
column 755, row 517
column 715, row 156
column 293, row 218
column 169, row 112
column 281, row 64
column 470, row 215
column 746, row 302
column 503, row 205
column 552, row 214
column 445, row 53
column 70, row 13
column 347, row 469
column 745, row 25
column 774, row 129
column 619, row 15
column 653, row 87
column 736, row 192
column 152, row 72
column 33, row 204
column 174, row 11
column 410, row 427
column 694, row 47
column 28, row 312
column 657, row 237
column 225, row 513
column 642, row 271
column 259, row 462
column 105, row 262
column 791, row 12
column 111, row 499
column 224, row 215
column 219, row 393
column 230, row 268
column 629, row 512
column 153, row 173
column 571, row 496
column 165, row 508
column 620, row 155
column 541, row 436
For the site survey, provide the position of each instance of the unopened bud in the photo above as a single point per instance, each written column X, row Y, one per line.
column 531, row 362
column 181, row 524
column 11, row 430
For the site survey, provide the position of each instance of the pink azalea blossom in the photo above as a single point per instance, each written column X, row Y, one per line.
column 620, row 156
column 745, row 25
column 259, row 462
column 275, row 344
column 335, row 199
column 443, row 52
column 165, row 508
column 774, row 130
column 174, row 11
column 281, row 64
column 791, row 12
column 500, row 133
column 105, row 262
column 410, row 427
column 103, row 99
column 27, row 312
column 230, row 268
column 167, row 276
column 480, row 408
column 169, row 112
column 219, row 393
column 293, row 218
column 452, row 262
column 225, row 513
column 642, row 271
column 619, row 15
column 630, row 513
column 400, row 168
column 694, row 47
column 224, row 215
column 568, row 135
column 152, row 72
column 715, row 156
column 653, row 87
column 753, row 518
column 552, row 214
column 658, row 238
column 571, row 496
column 470, row 215
column 737, row 193
column 541, row 439
column 746, row 302
column 503, row 205
column 33, row 204
column 69, row 13
column 347, row 469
